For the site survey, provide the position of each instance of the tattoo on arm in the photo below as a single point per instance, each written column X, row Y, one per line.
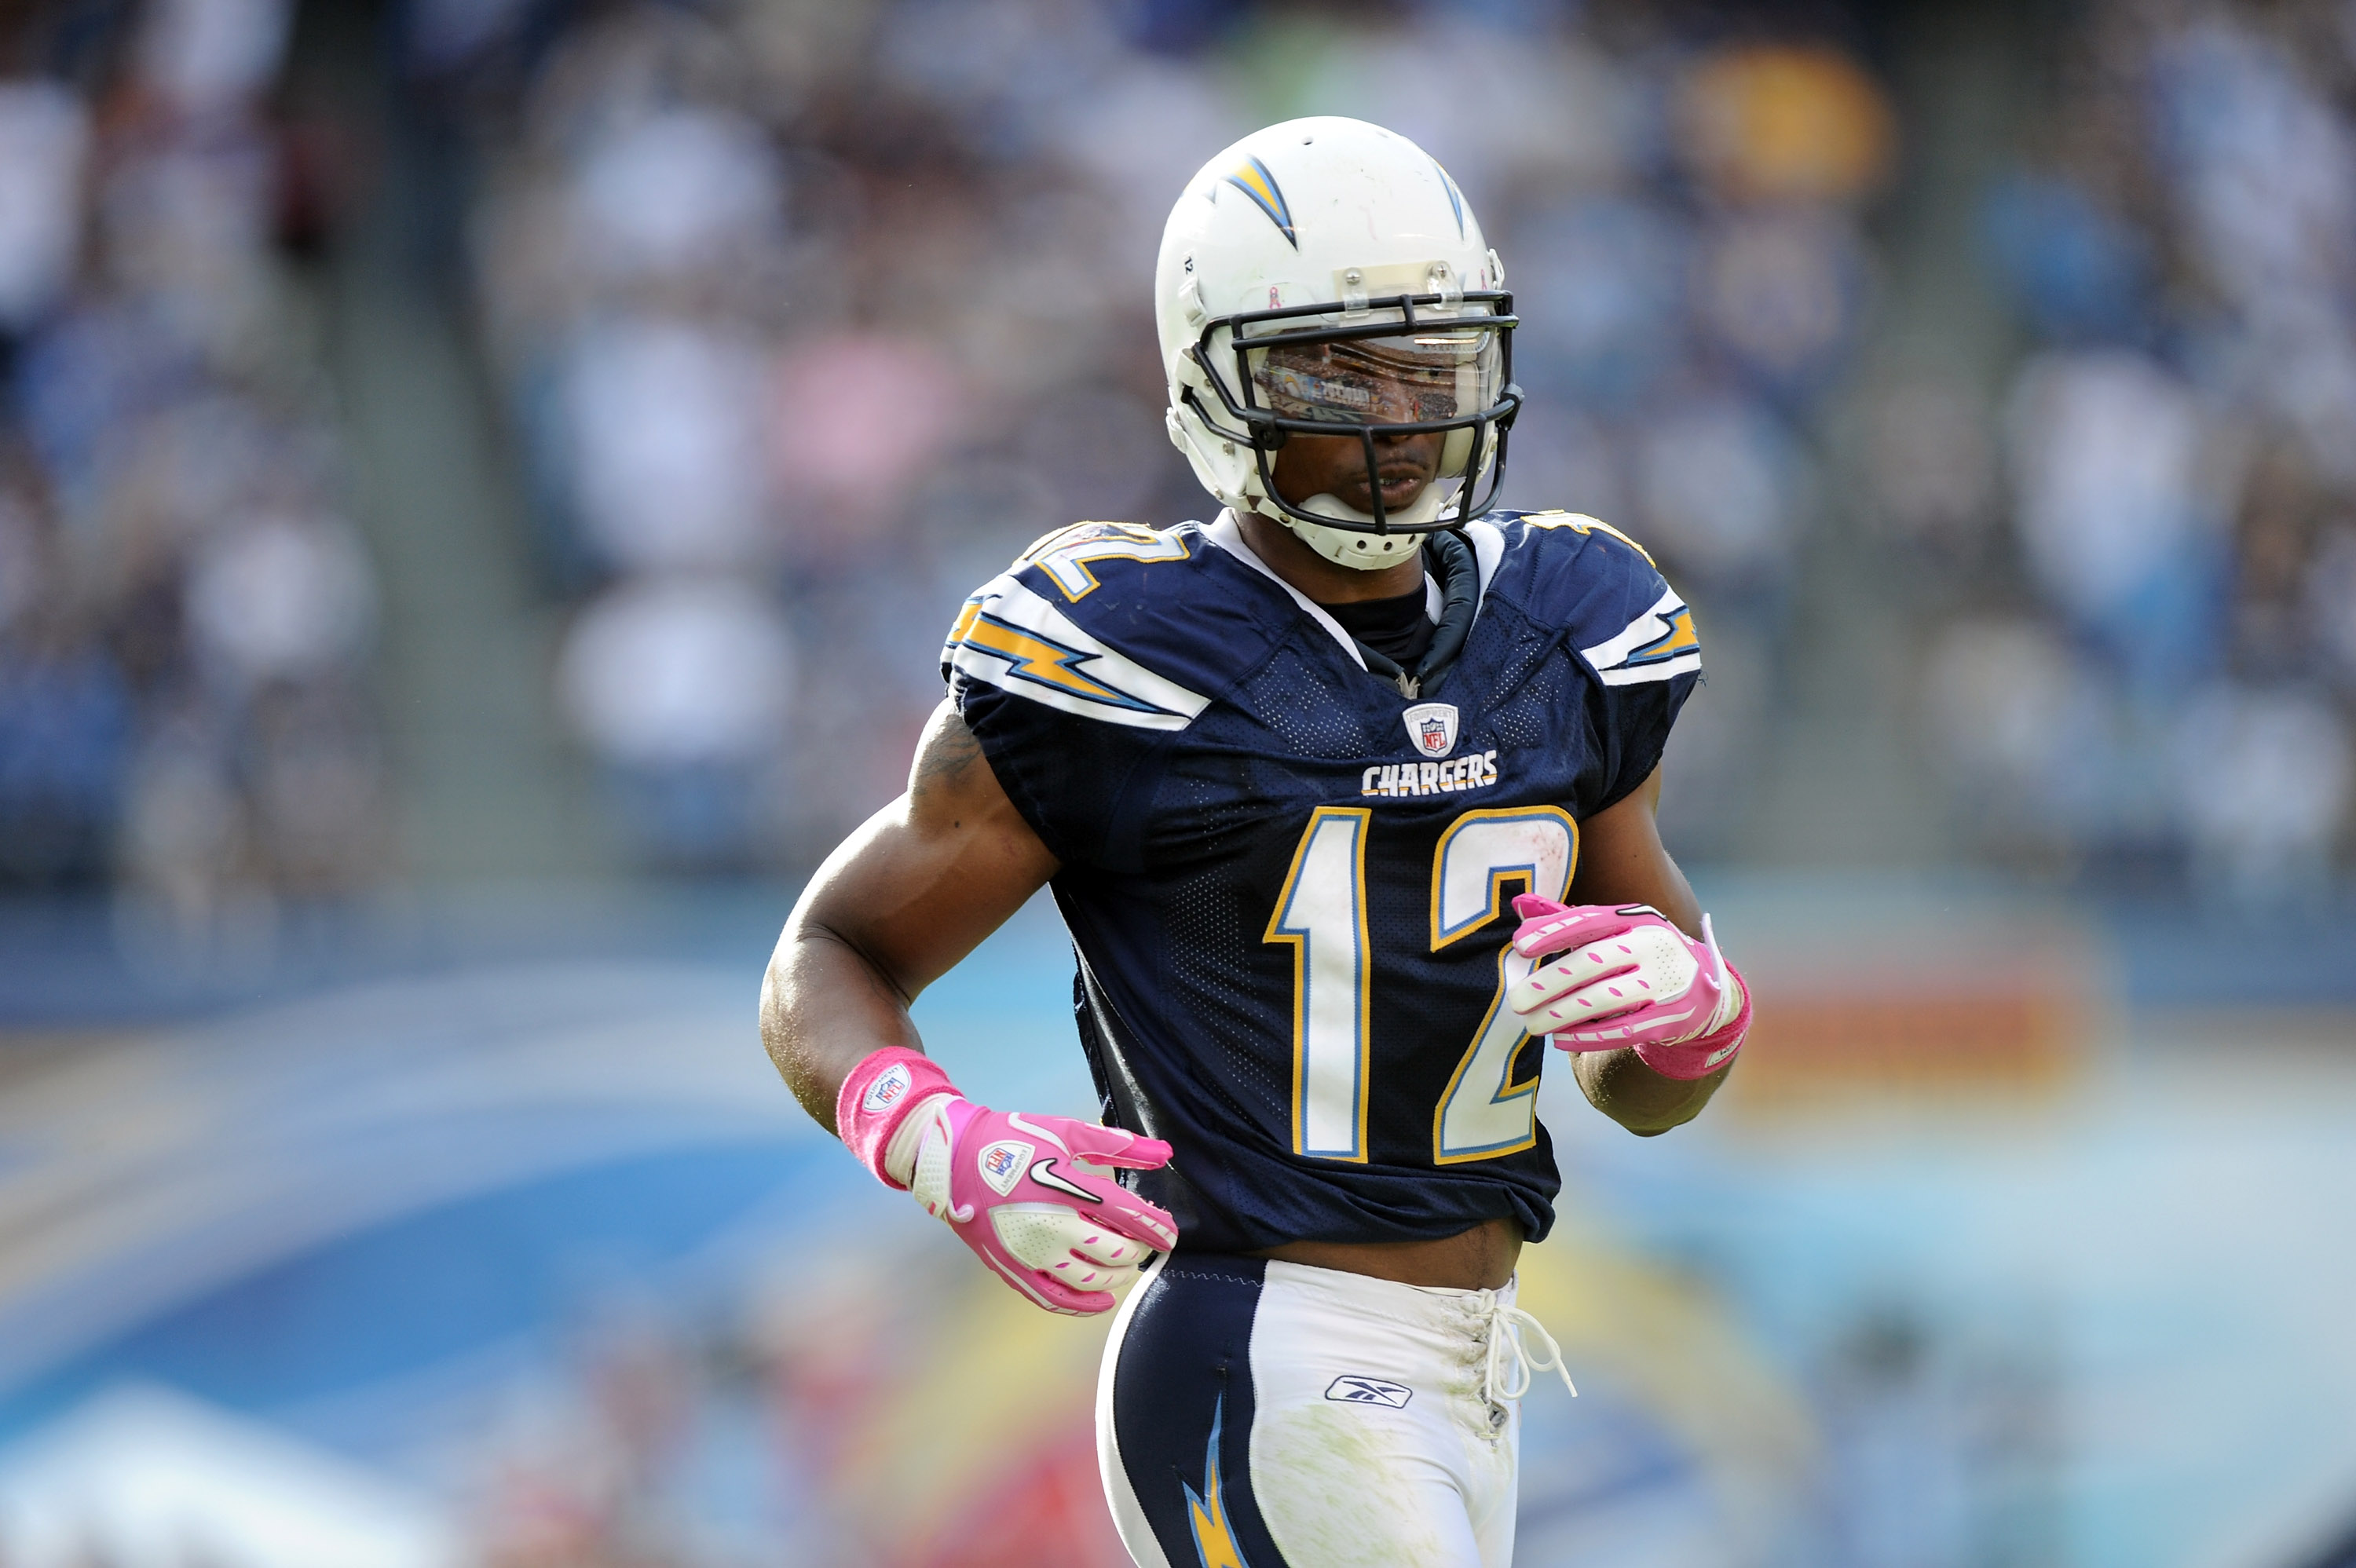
column 947, row 756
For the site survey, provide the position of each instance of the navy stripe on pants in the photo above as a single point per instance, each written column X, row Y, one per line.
column 1182, row 1410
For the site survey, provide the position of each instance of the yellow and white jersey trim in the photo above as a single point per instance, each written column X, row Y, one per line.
column 1659, row 644
column 1017, row 641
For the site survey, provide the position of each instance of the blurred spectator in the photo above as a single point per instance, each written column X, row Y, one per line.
column 1782, row 123
column 1781, row 291
column 1143, row 131
column 65, row 719
column 1099, row 446
column 445, row 33
column 1562, row 457
column 1719, row 485
column 679, row 671
column 2264, row 779
column 2117, row 502
column 2264, row 167
column 857, row 420
column 213, row 56
column 2078, row 271
column 1003, row 73
column 26, row 544
column 1601, row 286
column 665, row 424
column 44, row 143
column 682, row 685
column 281, row 598
column 677, row 191
column 1709, row 774
column 2024, row 732
column 1579, row 116
column 185, row 840
column 2264, row 174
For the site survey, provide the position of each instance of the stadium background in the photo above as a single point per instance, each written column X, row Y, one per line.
column 481, row 485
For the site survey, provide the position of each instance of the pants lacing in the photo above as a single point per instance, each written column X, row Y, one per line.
column 1513, row 1366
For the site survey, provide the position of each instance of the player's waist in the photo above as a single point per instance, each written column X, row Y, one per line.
column 1480, row 1257
column 1442, row 1319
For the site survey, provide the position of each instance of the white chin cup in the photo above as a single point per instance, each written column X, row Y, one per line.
column 1346, row 547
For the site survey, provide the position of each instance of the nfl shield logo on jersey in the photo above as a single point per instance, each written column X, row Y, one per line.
column 1002, row 1165
column 1432, row 727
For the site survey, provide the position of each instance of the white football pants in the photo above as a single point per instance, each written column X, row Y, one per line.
column 1262, row 1415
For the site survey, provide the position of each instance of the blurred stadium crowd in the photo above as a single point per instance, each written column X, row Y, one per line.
column 805, row 317
column 812, row 317
column 2157, row 660
column 185, row 610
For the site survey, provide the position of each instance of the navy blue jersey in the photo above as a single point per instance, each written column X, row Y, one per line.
column 1291, row 886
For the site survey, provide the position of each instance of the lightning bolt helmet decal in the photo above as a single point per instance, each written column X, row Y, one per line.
column 1253, row 180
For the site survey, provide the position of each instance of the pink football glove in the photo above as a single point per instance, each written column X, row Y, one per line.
column 1629, row 978
column 1016, row 1188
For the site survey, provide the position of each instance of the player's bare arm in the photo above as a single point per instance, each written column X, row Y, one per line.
column 905, row 897
column 894, row 907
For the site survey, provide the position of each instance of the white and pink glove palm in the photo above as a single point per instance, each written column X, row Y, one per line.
column 1625, row 976
column 1015, row 1187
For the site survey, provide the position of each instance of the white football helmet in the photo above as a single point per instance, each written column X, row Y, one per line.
column 1325, row 277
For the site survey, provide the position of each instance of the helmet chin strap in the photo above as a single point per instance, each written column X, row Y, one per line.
column 1348, row 547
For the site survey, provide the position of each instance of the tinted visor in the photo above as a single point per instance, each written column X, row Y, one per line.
column 1424, row 376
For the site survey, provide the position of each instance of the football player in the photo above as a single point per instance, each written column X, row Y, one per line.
column 1348, row 798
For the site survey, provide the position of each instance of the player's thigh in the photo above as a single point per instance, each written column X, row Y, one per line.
column 1374, row 1442
column 1220, row 1443
column 1336, row 1493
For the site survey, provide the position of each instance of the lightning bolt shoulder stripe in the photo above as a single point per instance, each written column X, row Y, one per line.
column 1658, row 644
column 1015, row 640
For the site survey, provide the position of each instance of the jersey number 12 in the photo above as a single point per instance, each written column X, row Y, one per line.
column 1322, row 913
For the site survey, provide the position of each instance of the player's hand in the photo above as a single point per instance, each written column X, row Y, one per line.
column 1018, row 1189
column 1612, row 975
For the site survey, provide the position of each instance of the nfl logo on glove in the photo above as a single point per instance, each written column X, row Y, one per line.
column 1002, row 1165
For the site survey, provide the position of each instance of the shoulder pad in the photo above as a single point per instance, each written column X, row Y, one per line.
column 1112, row 621
column 1066, row 556
column 1569, row 570
column 1537, row 526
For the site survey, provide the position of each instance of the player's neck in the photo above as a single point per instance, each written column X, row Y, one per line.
column 1321, row 580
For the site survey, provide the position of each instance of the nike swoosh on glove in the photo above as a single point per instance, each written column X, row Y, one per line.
column 1017, row 1188
column 1624, row 975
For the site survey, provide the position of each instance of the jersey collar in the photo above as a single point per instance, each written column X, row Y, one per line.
column 1488, row 548
column 1222, row 531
